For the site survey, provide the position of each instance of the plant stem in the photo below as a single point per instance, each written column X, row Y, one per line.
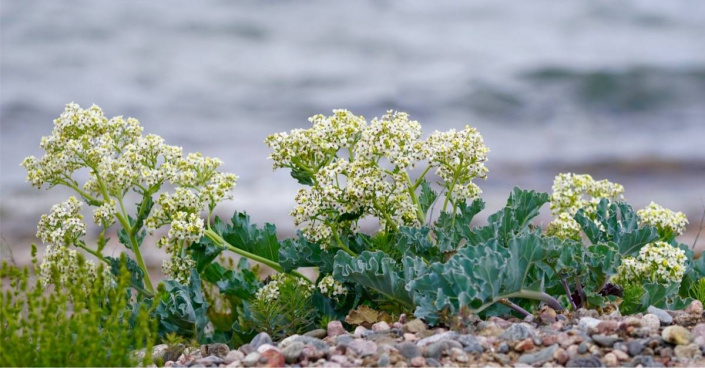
column 515, row 307
column 412, row 192
column 343, row 246
column 536, row 295
column 212, row 235
column 569, row 293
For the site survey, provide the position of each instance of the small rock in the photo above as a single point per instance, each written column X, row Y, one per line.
column 343, row 340
column 529, row 319
column 380, row 326
column 524, row 346
column 572, row 351
column 274, row 358
column 604, row 341
column 667, row 352
column 383, row 360
column 251, row 360
column 437, row 349
column 677, row 335
column 502, row 323
column 340, row 359
column 261, row 339
column 319, row 344
column 610, row 360
column 607, row 327
column 686, row 319
column 414, row 326
column 318, row 333
column 246, row 349
column 502, row 359
column 662, row 315
column 432, row 362
column 336, row 328
column 590, row 361
column 587, row 324
column 540, row 357
column 518, row 331
column 582, row 312
column 293, row 351
column 410, row 337
column 698, row 330
column 363, row 347
column 560, row 356
column 458, row 355
column 635, row 348
column 651, row 321
column 233, row 355
column 503, row 348
column 695, row 307
column 622, row 356
column 264, row 347
column 645, row 361
column 582, row 348
column 690, row 351
column 450, row 335
column 408, row 350
column 418, row 361
column 548, row 315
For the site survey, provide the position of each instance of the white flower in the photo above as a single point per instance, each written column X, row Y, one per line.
column 331, row 288
column 657, row 262
column 663, row 219
column 564, row 227
column 178, row 268
column 63, row 225
column 63, row 266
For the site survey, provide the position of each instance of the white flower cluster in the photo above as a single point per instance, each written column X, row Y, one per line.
column 332, row 288
column 573, row 192
column 64, row 225
column 347, row 161
column 63, row 266
column 657, row 262
column 663, row 219
column 270, row 292
column 460, row 157
column 178, row 268
column 564, row 227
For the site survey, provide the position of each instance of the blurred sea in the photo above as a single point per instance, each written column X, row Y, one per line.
column 613, row 89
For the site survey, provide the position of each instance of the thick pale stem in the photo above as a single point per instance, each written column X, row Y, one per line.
column 536, row 295
column 412, row 192
column 569, row 293
column 212, row 235
column 515, row 307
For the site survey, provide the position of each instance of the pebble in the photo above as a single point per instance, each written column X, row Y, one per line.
column 414, row 326
column 582, row 348
column 458, row 355
column 610, row 360
column 336, row 328
column 363, row 347
column 503, row 348
column 561, row 356
column 587, row 324
column 383, row 360
column 418, row 361
column 607, row 327
column 233, row 355
column 317, row 333
column 359, row 330
column 261, row 339
column 645, row 361
column 622, row 356
column 698, row 330
column 449, row 335
column 408, row 350
column 662, row 315
column 677, row 335
column 590, row 361
column 604, row 341
column 651, row 321
column 540, row 357
column 380, row 326
column 251, row 359
column 635, row 348
column 695, row 307
column 524, row 346
column 273, row 358
column 689, row 351
column 293, row 351
column 519, row 331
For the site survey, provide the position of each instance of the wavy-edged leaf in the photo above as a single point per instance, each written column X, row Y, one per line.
column 183, row 309
column 205, row 252
column 300, row 252
column 240, row 282
column 379, row 272
column 248, row 237
column 450, row 228
column 136, row 273
column 427, row 196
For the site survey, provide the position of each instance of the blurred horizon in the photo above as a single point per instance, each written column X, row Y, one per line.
column 610, row 89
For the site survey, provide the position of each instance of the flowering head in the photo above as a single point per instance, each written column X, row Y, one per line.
column 657, row 262
column 667, row 222
column 63, row 225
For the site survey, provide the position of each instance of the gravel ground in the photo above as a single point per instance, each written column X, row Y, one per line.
column 579, row 339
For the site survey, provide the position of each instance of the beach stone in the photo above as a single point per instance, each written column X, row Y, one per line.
column 343, row 340
column 635, row 347
column 547, row 315
column 651, row 321
column 293, row 351
column 539, row 357
column 587, row 324
column 686, row 319
column 561, row 356
column 518, row 331
column 503, row 348
column 449, row 335
column 164, row 353
column 572, row 350
column 645, row 361
column 262, row 348
column 414, row 326
column 432, row 362
column 589, row 361
column 470, row 343
column 607, row 327
column 500, row 322
column 274, row 358
column 582, row 312
column 437, row 349
column 410, row 337
column 383, row 360
column 695, row 307
column 458, row 355
column 408, row 350
column 689, row 351
column 318, row 333
column 246, row 349
column 622, row 356
column 233, row 355
column 582, row 348
column 502, row 359
column 662, row 315
column 380, row 326
column 610, row 360
column 363, row 347
column 604, row 341
column 319, row 344
column 524, row 346
column 418, row 361
column 217, row 349
column 251, row 360
column 336, row 328
column 261, row 339
column 698, row 330
column 677, row 335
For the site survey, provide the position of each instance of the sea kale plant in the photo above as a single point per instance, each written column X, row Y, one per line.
column 426, row 256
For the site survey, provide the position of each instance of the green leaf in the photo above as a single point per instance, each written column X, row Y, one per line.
column 416, row 240
column 300, row 252
column 450, row 228
column 183, row 309
column 241, row 282
column 246, row 236
column 205, row 252
column 663, row 296
column 379, row 272
column 136, row 273
column 303, row 177
column 427, row 196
